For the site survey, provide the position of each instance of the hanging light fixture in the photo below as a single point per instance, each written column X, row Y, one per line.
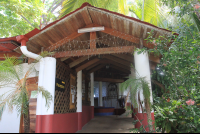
column 107, row 66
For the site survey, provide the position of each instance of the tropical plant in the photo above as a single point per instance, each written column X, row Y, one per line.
column 149, row 11
column 17, row 17
column 138, row 85
column 179, row 73
column 14, row 76
column 112, row 5
column 185, row 10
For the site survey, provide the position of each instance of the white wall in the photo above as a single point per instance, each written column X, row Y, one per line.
column 10, row 121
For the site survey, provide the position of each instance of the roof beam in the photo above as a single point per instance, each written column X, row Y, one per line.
column 131, row 58
column 87, row 64
column 109, row 50
column 108, row 80
column 78, row 61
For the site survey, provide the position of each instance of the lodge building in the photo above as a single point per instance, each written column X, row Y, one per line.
column 91, row 45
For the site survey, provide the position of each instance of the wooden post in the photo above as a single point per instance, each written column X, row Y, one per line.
column 92, row 40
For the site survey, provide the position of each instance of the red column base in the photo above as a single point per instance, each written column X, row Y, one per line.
column 44, row 124
column 92, row 112
column 141, row 116
column 79, row 120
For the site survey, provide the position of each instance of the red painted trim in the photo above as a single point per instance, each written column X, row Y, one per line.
column 64, row 123
column 87, row 114
column 79, row 120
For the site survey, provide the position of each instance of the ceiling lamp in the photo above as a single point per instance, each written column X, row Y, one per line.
column 90, row 29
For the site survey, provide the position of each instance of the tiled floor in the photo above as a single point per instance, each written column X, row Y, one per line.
column 108, row 124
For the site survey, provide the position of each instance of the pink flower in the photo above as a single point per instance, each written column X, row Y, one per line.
column 190, row 102
column 196, row 6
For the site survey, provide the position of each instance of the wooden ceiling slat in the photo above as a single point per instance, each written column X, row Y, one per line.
column 126, row 31
column 86, row 17
column 94, row 16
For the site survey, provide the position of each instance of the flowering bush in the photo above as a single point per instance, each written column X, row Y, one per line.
column 177, row 116
column 190, row 102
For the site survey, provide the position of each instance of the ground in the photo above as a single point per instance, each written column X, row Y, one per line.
column 108, row 124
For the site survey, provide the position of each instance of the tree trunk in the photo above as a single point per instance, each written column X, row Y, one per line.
column 27, row 121
column 149, row 119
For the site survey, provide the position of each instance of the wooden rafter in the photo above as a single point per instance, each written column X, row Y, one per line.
column 65, row 58
column 125, row 57
column 109, row 50
column 124, row 36
column 108, row 80
column 66, row 39
column 87, row 64
column 120, row 69
column 118, row 60
column 154, row 58
column 95, row 64
column 78, row 61
column 9, row 54
column 96, row 68
column 117, row 64
column 152, row 65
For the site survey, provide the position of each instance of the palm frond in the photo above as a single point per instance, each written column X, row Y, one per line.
column 47, row 95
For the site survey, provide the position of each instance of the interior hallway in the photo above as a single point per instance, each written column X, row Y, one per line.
column 108, row 124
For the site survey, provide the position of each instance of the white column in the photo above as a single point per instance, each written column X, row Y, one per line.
column 79, row 91
column 92, row 88
column 47, row 77
column 119, row 91
column 100, row 94
column 143, row 70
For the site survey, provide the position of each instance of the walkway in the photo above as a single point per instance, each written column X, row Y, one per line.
column 108, row 124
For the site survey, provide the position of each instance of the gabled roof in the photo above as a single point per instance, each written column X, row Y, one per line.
column 82, row 17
